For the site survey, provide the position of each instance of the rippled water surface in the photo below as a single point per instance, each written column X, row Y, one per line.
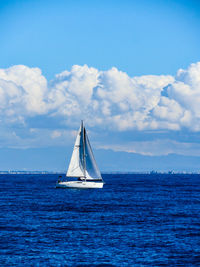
column 135, row 220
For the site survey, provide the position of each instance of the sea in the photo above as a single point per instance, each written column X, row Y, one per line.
column 135, row 220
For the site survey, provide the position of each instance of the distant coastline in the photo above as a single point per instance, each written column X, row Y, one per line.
column 103, row 172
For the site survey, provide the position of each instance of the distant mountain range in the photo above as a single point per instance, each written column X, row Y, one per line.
column 56, row 160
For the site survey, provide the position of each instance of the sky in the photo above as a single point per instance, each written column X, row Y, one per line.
column 129, row 69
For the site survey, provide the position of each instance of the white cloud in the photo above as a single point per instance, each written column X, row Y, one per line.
column 23, row 91
column 109, row 99
column 71, row 92
column 126, row 102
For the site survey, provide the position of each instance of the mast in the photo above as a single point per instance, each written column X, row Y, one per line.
column 84, row 162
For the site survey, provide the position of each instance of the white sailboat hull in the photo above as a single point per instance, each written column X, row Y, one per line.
column 79, row 184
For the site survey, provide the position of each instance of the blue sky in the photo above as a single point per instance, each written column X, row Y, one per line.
column 128, row 68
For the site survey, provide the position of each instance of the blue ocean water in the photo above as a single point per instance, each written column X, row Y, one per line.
column 135, row 220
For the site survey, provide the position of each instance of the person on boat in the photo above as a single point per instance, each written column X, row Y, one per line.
column 59, row 179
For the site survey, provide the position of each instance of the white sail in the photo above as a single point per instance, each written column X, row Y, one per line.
column 76, row 165
column 92, row 170
column 82, row 162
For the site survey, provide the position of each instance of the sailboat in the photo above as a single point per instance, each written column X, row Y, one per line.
column 82, row 165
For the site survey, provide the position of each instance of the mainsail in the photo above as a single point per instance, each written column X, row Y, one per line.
column 76, row 164
column 82, row 162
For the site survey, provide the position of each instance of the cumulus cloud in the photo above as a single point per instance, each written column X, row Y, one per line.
column 109, row 98
column 186, row 91
column 22, row 92
column 70, row 93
